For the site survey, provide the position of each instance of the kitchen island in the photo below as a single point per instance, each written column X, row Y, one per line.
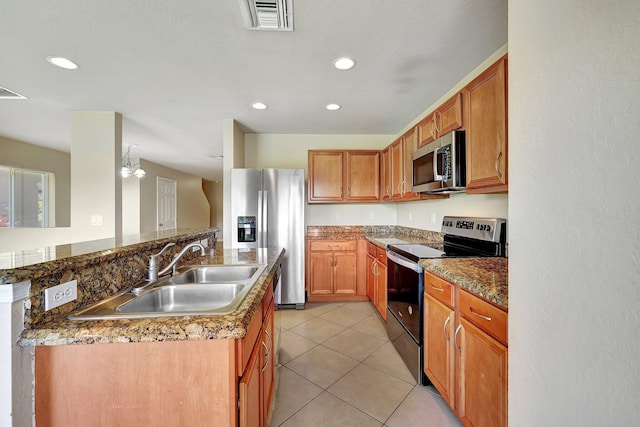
column 179, row 370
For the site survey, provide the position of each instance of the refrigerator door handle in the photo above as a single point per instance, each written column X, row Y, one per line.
column 264, row 238
column 260, row 213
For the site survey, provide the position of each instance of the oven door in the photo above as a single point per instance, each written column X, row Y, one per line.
column 405, row 288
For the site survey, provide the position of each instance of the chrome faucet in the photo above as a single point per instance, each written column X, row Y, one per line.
column 176, row 258
column 152, row 274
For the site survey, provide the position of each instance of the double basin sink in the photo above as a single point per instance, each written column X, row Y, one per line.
column 195, row 290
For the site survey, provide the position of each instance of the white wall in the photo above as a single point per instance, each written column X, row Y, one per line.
column 131, row 205
column 96, row 147
column 574, row 203
column 192, row 205
column 28, row 156
column 418, row 214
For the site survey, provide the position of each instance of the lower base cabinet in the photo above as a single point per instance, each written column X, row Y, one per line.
column 377, row 278
column 467, row 366
column 482, row 378
column 222, row 382
column 336, row 270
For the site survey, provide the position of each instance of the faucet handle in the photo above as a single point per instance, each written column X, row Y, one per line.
column 168, row 245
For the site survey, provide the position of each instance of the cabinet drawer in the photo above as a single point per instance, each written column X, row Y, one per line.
column 382, row 256
column 333, row 245
column 371, row 249
column 439, row 288
column 245, row 345
column 487, row 317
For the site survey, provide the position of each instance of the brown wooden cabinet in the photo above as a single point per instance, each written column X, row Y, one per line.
column 469, row 366
column 221, row 382
column 444, row 119
column 377, row 278
column 439, row 326
column 344, row 176
column 336, row 270
column 402, row 167
column 486, row 126
column 385, row 174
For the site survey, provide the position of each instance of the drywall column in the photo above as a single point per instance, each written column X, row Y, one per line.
column 96, row 190
column 574, row 245
column 233, row 151
column 16, row 403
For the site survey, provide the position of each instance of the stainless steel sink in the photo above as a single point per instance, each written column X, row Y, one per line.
column 202, row 290
column 182, row 298
column 215, row 273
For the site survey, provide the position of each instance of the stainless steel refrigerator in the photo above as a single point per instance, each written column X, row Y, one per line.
column 267, row 210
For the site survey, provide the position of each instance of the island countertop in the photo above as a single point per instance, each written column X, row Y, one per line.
column 62, row 331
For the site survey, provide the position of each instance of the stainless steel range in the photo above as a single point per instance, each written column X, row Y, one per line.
column 463, row 237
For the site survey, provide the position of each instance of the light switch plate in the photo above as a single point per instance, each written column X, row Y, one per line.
column 60, row 294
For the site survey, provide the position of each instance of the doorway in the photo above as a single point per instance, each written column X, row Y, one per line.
column 167, row 190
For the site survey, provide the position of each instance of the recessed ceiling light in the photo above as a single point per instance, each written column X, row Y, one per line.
column 333, row 107
column 344, row 63
column 63, row 62
column 259, row 106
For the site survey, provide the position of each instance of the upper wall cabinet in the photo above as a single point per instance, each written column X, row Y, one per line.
column 443, row 120
column 344, row 176
column 486, row 126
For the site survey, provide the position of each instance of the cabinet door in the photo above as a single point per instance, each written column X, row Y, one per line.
column 486, row 126
column 439, row 322
column 250, row 392
column 363, row 175
column 385, row 172
column 482, row 378
column 381, row 289
column 410, row 144
column 449, row 116
column 325, row 175
column 345, row 273
column 397, row 169
column 268, row 364
column 427, row 129
column 371, row 278
column 321, row 273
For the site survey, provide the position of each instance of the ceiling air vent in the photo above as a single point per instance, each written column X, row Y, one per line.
column 9, row 94
column 267, row 15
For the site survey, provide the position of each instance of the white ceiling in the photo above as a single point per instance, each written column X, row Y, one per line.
column 176, row 68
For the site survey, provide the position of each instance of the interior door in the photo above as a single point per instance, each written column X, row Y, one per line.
column 167, row 190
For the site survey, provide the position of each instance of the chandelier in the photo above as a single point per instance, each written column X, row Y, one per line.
column 128, row 170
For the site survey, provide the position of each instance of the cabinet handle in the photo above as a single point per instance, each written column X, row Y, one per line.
column 431, row 131
column 402, row 186
column 455, row 338
column 444, row 328
column 389, row 190
column 436, row 288
column 348, row 191
column 498, row 165
column 435, row 121
column 482, row 316
column 266, row 356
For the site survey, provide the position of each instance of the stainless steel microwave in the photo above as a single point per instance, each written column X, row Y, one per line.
column 440, row 167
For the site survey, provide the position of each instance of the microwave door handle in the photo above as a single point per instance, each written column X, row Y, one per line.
column 436, row 175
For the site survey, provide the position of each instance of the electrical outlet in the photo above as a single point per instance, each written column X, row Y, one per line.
column 410, row 216
column 61, row 294
column 433, row 217
column 372, row 215
column 338, row 215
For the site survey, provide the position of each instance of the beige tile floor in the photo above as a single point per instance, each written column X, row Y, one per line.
column 338, row 368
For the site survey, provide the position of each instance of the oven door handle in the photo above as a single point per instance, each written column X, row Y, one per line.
column 404, row 262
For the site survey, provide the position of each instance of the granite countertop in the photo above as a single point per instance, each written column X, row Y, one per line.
column 485, row 277
column 21, row 265
column 234, row 325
